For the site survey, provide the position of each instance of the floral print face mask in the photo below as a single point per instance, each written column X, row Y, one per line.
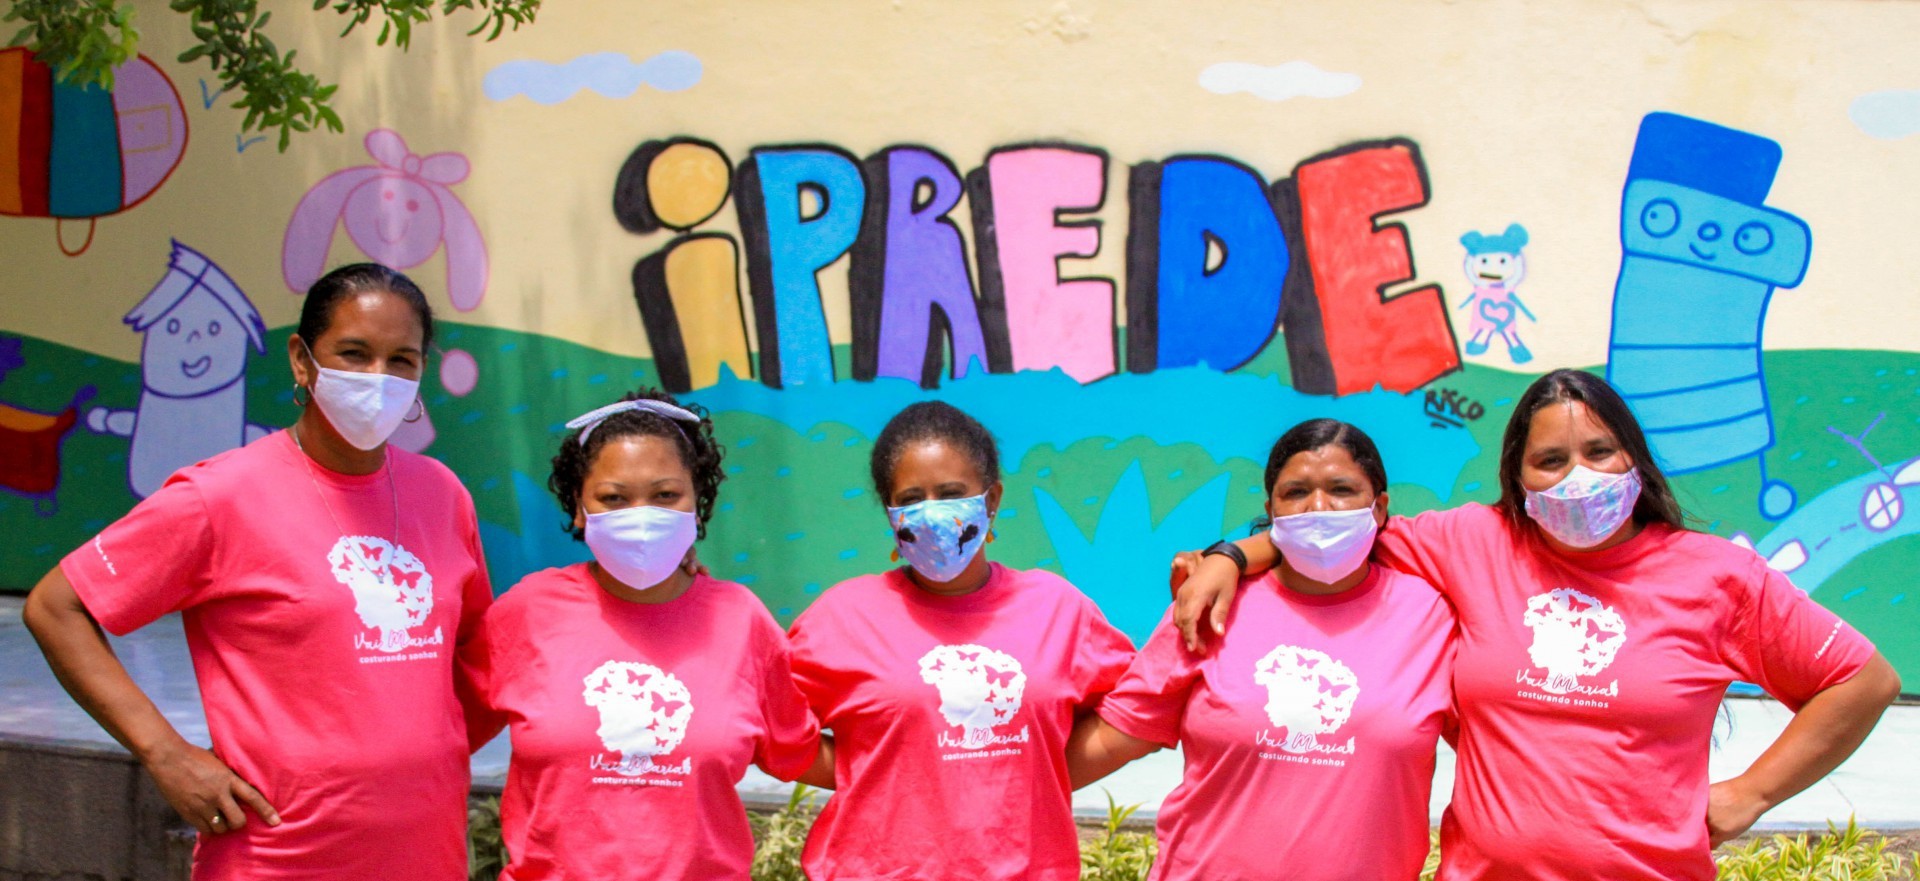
column 1586, row 506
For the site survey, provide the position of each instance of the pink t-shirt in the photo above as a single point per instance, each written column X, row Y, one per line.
column 1313, row 721
column 325, row 653
column 632, row 723
column 950, row 718
column 1587, row 687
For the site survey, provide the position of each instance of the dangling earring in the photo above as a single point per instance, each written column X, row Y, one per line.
column 896, row 554
column 419, row 410
column 989, row 535
column 297, row 389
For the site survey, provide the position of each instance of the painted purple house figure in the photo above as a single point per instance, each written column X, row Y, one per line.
column 193, row 401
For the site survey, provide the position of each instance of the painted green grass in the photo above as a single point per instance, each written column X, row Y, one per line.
column 798, row 513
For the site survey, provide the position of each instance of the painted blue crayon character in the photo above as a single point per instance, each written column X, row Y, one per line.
column 1495, row 266
column 1701, row 259
column 193, row 363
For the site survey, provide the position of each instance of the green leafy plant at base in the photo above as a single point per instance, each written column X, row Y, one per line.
column 779, row 837
column 84, row 40
column 486, row 847
column 1117, row 855
column 1850, row 854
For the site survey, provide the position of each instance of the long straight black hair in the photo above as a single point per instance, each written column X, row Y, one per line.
column 1656, row 504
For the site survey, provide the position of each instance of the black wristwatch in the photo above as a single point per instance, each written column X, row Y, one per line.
column 1231, row 551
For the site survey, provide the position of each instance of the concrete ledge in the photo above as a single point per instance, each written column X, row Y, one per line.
column 81, row 811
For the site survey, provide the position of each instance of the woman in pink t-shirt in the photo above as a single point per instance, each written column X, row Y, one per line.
column 637, row 689
column 1319, row 709
column 328, row 584
column 1598, row 636
column 950, row 684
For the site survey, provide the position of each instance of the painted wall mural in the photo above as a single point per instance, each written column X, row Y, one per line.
column 1495, row 266
column 1209, row 268
column 398, row 211
column 1701, row 259
column 197, row 328
column 1137, row 253
column 79, row 154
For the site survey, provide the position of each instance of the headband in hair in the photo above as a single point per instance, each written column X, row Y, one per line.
column 591, row 420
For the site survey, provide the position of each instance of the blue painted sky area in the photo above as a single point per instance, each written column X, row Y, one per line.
column 1228, row 414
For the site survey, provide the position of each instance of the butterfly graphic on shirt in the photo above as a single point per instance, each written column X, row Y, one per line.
column 644, row 711
column 979, row 688
column 1309, row 693
column 391, row 587
column 1574, row 635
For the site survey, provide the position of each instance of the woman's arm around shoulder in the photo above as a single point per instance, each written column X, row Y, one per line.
column 1096, row 748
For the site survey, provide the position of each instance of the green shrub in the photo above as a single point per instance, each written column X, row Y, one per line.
column 779, row 837
column 1115, row 855
column 1850, row 854
column 486, row 848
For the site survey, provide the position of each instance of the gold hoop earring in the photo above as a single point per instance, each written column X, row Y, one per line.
column 419, row 410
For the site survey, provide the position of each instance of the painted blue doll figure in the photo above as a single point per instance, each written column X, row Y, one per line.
column 1701, row 258
column 1495, row 266
column 193, row 363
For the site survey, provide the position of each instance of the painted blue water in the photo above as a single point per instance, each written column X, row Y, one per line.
column 1230, row 415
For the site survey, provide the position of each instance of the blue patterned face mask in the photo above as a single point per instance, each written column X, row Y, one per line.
column 939, row 537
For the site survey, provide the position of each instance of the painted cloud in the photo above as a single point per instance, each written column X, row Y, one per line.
column 1293, row 79
column 611, row 74
column 1888, row 115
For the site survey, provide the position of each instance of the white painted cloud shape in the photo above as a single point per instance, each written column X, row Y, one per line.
column 611, row 74
column 1294, row 79
column 1888, row 115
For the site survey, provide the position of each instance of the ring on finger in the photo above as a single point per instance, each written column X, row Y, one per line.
column 217, row 820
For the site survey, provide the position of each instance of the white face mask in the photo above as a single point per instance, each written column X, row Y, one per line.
column 1586, row 506
column 1325, row 546
column 365, row 408
column 641, row 545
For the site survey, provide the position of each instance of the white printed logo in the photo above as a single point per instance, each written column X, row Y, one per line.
column 1574, row 635
column 643, row 714
column 1308, row 694
column 980, row 689
column 392, row 591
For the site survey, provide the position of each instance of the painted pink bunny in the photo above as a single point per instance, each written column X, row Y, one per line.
column 398, row 212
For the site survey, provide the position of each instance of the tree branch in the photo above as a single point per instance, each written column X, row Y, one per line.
column 84, row 40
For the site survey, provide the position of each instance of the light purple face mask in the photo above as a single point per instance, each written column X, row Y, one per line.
column 1325, row 546
column 1586, row 506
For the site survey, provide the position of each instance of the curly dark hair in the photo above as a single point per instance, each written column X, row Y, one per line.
column 695, row 443
column 932, row 420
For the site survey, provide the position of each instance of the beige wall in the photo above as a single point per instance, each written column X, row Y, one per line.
column 1524, row 112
